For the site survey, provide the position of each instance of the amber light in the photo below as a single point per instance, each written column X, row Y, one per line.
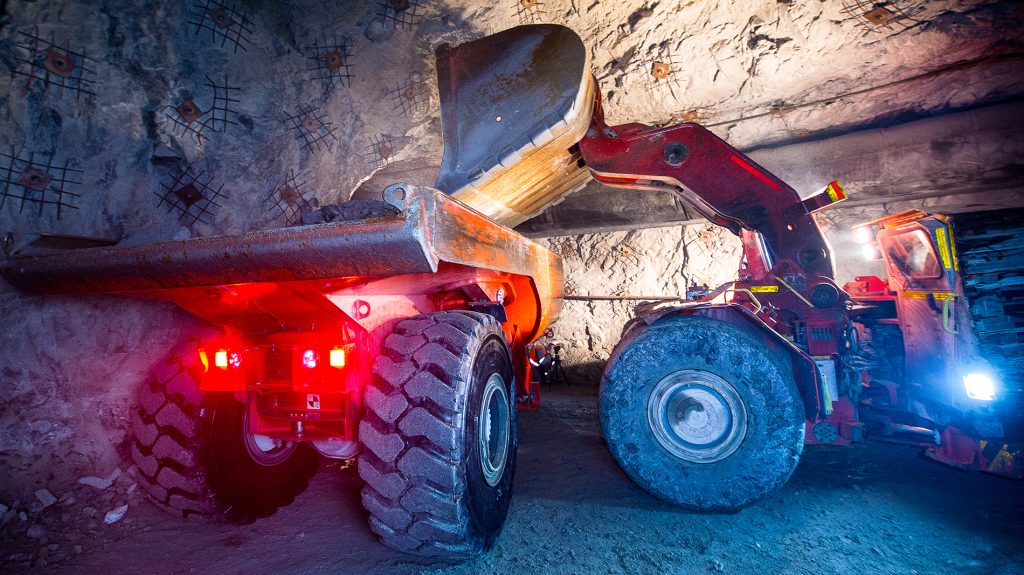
column 220, row 359
column 338, row 357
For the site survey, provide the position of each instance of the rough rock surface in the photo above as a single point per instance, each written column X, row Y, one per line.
column 652, row 263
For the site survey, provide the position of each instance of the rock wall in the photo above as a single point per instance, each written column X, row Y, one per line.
column 650, row 262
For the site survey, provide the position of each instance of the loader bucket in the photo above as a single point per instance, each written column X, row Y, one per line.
column 512, row 105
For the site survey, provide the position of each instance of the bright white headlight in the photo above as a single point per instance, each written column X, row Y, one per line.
column 870, row 252
column 979, row 386
column 863, row 235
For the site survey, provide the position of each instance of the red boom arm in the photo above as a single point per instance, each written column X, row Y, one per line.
column 787, row 260
column 720, row 182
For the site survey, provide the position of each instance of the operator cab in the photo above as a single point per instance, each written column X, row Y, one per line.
column 945, row 379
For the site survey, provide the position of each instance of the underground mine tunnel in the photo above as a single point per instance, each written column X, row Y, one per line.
column 524, row 286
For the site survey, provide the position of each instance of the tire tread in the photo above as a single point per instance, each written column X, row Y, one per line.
column 413, row 496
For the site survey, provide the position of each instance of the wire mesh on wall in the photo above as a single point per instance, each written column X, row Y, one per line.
column 227, row 25
column 529, row 11
column 290, row 199
column 400, row 13
column 187, row 117
column 37, row 180
column 410, row 98
column 54, row 66
column 194, row 193
column 312, row 129
column 380, row 152
column 330, row 62
column 873, row 15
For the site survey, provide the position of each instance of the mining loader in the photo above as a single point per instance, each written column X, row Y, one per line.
column 707, row 401
column 395, row 333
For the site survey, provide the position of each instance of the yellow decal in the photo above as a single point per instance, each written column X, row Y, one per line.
column 952, row 248
column 939, row 295
column 764, row 289
column 1004, row 463
column 940, row 239
column 835, row 192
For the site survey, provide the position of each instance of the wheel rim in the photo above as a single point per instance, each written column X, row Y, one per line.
column 697, row 416
column 264, row 449
column 495, row 428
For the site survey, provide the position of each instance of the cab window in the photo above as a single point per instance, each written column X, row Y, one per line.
column 912, row 256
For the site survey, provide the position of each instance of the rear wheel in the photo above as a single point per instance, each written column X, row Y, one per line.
column 252, row 476
column 699, row 414
column 196, row 456
column 439, row 435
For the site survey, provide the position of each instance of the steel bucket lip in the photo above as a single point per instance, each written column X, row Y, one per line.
column 528, row 69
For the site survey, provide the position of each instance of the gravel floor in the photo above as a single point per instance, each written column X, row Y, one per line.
column 873, row 508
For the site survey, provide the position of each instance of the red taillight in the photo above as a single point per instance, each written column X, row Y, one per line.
column 310, row 359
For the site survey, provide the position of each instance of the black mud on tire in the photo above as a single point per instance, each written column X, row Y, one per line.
column 176, row 435
column 771, row 447
column 425, row 489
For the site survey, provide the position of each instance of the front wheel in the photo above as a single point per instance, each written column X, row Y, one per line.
column 700, row 414
column 439, row 436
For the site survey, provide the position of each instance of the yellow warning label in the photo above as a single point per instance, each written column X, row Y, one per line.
column 952, row 248
column 764, row 289
column 939, row 295
column 835, row 192
column 940, row 239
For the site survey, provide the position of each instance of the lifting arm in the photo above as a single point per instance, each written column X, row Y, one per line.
column 720, row 182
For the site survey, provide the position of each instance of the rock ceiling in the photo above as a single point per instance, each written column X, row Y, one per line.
column 199, row 117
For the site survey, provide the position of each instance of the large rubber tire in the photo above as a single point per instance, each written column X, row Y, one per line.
column 752, row 451
column 190, row 450
column 425, row 485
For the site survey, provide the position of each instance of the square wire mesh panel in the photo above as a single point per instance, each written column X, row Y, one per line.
column 312, row 129
column 290, row 199
column 872, row 15
column 187, row 117
column 226, row 25
column 194, row 193
column 529, row 11
column 223, row 112
column 380, row 152
column 54, row 66
column 660, row 72
column 400, row 13
column 410, row 98
column 329, row 62
column 36, row 180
